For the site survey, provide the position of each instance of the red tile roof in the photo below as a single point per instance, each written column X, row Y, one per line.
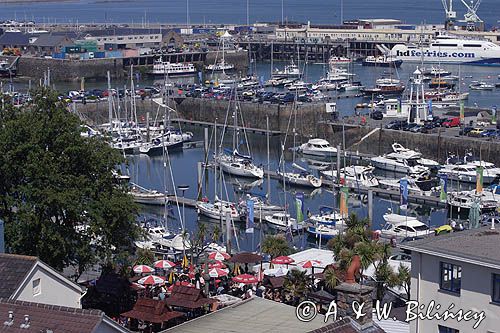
column 188, row 297
column 153, row 311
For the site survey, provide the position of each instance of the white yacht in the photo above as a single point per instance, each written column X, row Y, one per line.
column 221, row 66
column 297, row 86
column 412, row 154
column 290, row 71
column 467, row 172
column 282, row 221
column 327, row 216
column 241, row 167
column 399, row 163
column 173, row 69
column 318, row 147
column 301, row 179
column 146, row 196
column 401, row 226
column 450, row 50
column 354, row 175
column 417, row 184
column 218, row 210
column 322, row 231
column 334, row 61
column 487, row 200
column 481, row 86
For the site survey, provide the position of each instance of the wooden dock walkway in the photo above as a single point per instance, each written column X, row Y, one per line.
column 209, row 124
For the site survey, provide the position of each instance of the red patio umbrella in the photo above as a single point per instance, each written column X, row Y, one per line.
column 310, row 263
column 151, row 280
column 219, row 256
column 245, row 279
column 164, row 264
column 217, row 264
column 141, row 269
column 217, row 272
column 282, row 260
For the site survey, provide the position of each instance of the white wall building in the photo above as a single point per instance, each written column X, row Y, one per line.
column 25, row 278
column 461, row 268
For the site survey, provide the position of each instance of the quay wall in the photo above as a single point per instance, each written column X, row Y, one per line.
column 68, row 70
column 311, row 121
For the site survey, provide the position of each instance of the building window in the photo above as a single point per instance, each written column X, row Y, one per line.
column 37, row 288
column 495, row 296
column 451, row 277
column 444, row 329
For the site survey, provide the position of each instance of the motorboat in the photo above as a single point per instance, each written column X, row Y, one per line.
column 385, row 87
column 159, row 144
column 173, row 69
column 335, row 61
column 481, row 86
column 290, row 71
column 297, row 86
column 218, row 210
column 301, row 179
column 322, row 231
column 401, row 226
column 146, row 196
column 467, row 172
column 318, row 147
column 282, row 221
column 220, row 66
column 436, row 72
column 464, row 200
column 327, row 216
column 354, row 175
column 417, row 184
column 412, row 154
column 239, row 166
column 399, row 163
column 382, row 61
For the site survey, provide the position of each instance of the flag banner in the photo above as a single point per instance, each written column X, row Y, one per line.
column 443, row 184
column 403, row 193
column 344, row 200
column 479, row 179
column 494, row 114
column 429, row 109
column 462, row 111
column 399, row 105
column 250, row 217
column 299, row 206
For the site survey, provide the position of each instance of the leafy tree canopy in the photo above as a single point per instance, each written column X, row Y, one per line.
column 58, row 196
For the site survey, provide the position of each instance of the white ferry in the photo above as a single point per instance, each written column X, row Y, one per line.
column 173, row 69
column 450, row 50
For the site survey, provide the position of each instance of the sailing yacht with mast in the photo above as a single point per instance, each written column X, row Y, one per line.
column 222, row 65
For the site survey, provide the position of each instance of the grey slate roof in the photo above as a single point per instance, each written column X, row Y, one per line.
column 50, row 40
column 13, row 270
column 479, row 245
column 45, row 317
column 347, row 325
column 255, row 315
column 14, row 38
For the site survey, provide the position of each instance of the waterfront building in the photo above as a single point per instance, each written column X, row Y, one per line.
column 18, row 316
column 26, row 278
column 122, row 38
column 461, row 268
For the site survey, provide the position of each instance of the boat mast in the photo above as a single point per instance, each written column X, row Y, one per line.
column 110, row 104
column 215, row 159
column 268, row 162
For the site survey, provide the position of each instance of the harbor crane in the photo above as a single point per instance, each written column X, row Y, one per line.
column 470, row 18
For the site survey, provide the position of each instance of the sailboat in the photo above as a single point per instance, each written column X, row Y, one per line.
column 232, row 161
column 222, row 65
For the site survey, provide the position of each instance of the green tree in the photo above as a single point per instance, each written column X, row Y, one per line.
column 144, row 257
column 295, row 285
column 331, row 279
column 401, row 278
column 276, row 246
column 58, row 196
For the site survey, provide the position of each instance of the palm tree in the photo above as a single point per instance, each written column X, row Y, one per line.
column 296, row 285
column 276, row 246
column 144, row 257
column 331, row 280
column 402, row 278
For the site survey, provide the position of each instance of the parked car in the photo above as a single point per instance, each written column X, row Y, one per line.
column 476, row 132
column 452, row 122
column 489, row 132
column 465, row 130
column 417, row 129
column 408, row 126
column 377, row 115
column 396, row 124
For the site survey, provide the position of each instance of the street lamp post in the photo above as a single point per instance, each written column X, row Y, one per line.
column 183, row 189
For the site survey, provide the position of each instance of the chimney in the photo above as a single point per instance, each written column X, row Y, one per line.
column 2, row 240
column 26, row 323
column 350, row 291
column 10, row 319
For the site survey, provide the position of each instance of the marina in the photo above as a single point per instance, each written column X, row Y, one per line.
column 226, row 167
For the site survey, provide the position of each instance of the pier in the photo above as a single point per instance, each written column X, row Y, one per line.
column 209, row 124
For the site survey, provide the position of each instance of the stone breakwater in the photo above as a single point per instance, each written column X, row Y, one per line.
column 311, row 121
